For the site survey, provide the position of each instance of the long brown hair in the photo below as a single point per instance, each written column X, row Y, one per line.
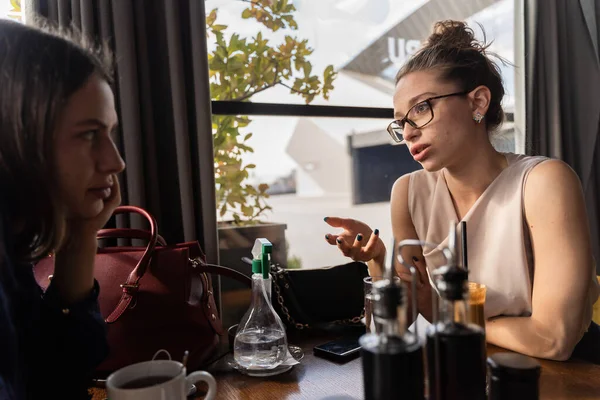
column 40, row 70
column 453, row 50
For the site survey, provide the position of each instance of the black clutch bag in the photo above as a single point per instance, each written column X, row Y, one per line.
column 320, row 298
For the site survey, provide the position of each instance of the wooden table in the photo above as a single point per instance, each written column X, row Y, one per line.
column 314, row 378
column 573, row 379
column 318, row 379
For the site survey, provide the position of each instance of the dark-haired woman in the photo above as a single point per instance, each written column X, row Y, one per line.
column 58, row 187
column 528, row 234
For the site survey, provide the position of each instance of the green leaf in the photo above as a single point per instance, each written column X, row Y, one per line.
column 299, row 63
column 248, row 136
column 211, row 17
column 234, row 65
column 276, row 6
column 219, row 28
column 217, row 64
column 242, row 123
column 221, row 52
column 248, row 211
column 235, row 44
column 246, row 13
column 219, row 38
column 307, row 67
column 297, row 84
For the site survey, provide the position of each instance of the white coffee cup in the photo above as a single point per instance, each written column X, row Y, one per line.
column 175, row 388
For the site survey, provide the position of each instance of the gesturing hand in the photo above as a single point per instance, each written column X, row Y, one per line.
column 424, row 305
column 357, row 240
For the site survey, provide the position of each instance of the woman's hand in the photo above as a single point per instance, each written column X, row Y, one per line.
column 85, row 230
column 357, row 240
column 74, row 262
column 424, row 305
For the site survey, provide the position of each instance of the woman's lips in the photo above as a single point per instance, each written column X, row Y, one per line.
column 101, row 193
column 420, row 153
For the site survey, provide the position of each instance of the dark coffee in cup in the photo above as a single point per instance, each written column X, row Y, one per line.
column 146, row 381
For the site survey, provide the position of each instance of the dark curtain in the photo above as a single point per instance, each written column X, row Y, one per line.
column 163, row 102
column 562, row 74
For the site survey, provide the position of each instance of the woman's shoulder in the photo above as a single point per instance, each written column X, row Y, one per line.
column 422, row 184
column 416, row 183
column 421, row 179
column 525, row 162
column 551, row 177
column 540, row 171
column 415, row 192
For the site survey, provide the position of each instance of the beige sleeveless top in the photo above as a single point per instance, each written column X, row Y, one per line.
column 499, row 247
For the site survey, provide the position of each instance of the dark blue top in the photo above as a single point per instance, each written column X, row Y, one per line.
column 45, row 351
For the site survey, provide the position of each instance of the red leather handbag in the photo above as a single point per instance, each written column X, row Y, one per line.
column 154, row 297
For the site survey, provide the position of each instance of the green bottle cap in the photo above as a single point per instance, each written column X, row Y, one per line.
column 256, row 266
column 267, row 249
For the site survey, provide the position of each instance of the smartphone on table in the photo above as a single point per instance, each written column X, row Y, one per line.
column 339, row 350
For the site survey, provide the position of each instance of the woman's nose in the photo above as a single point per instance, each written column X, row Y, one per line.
column 410, row 133
column 110, row 160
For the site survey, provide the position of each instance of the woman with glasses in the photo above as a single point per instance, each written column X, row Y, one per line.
column 528, row 235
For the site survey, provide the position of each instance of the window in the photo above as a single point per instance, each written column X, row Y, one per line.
column 341, row 165
column 318, row 167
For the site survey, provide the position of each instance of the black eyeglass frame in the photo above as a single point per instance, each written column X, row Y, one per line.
column 401, row 122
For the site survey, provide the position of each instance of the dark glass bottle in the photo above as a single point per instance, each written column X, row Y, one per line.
column 393, row 358
column 456, row 367
column 513, row 377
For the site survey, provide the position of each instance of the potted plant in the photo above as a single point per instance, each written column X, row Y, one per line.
column 239, row 69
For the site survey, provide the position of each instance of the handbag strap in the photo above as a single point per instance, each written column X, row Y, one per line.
column 129, row 233
column 223, row 271
column 131, row 286
column 280, row 279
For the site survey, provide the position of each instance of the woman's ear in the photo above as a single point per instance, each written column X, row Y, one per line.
column 480, row 98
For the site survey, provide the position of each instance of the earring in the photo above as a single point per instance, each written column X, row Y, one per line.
column 477, row 117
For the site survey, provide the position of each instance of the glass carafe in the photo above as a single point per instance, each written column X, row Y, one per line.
column 260, row 342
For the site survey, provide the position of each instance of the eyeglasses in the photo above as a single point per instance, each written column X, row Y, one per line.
column 418, row 116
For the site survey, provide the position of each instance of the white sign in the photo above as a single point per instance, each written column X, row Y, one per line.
column 399, row 50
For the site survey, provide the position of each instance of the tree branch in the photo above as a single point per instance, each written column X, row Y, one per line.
column 256, row 3
column 274, row 83
column 294, row 90
column 247, row 96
